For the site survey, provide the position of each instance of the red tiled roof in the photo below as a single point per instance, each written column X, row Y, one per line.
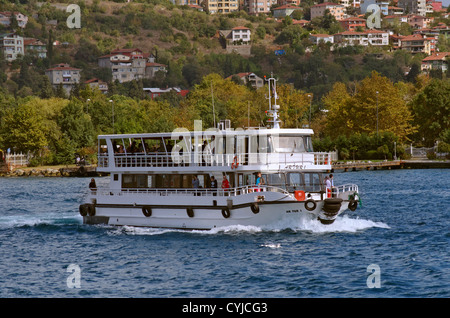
column 287, row 6
column 327, row 4
column 436, row 56
column 62, row 66
column 240, row 28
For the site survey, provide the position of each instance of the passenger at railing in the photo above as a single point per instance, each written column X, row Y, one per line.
column 259, row 182
column 195, row 184
column 132, row 148
column 225, row 183
column 214, row 185
column 93, row 186
column 328, row 186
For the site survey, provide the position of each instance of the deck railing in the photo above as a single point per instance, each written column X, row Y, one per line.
column 190, row 191
column 164, row 160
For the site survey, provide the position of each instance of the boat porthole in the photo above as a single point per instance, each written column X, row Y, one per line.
column 226, row 213
column 310, row 205
column 190, row 212
column 352, row 205
column 91, row 210
column 147, row 211
column 255, row 208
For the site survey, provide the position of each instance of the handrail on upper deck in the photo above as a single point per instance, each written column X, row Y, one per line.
column 193, row 191
column 165, row 160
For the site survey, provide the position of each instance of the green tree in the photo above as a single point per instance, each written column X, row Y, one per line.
column 376, row 103
column 76, row 124
column 23, row 129
column 431, row 108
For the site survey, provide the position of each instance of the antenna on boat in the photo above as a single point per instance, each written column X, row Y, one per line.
column 273, row 109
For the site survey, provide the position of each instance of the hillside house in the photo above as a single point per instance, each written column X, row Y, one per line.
column 12, row 46
column 6, row 16
column 35, row 47
column 63, row 74
column 96, row 83
column 130, row 64
column 436, row 61
column 154, row 92
column 324, row 38
column 236, row 40
column 249, row 78
column 415, row 43
column 284, row 10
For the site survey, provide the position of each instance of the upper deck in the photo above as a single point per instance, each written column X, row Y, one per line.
column 212, row 150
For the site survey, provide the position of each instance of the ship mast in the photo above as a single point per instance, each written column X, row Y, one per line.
column 273, row 107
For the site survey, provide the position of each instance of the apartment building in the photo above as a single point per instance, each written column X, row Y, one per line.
column 221, row 6
column 368, row 37
column 337, row 10
column 350, row 24
column 63, row 74
column 256, row 7
column 382, row 4
column 413, row 6
column 12, row 46
column 415, row 43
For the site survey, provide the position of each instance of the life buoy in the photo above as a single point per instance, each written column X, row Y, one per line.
column 255, row 208
column 226, row 213
column 308, row 206
column 147, row 211
column 91, row 210
column 352, row 205
column 235, row 163
column 190, row 212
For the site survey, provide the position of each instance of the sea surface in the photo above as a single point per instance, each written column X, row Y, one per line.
column 395, row 245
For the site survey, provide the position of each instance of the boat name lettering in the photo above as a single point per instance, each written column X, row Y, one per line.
column 295, row 167
column 292, row 211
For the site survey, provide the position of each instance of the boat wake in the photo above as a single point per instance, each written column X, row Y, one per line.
column 305, row 224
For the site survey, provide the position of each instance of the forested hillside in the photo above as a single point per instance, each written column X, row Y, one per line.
column 343, row 87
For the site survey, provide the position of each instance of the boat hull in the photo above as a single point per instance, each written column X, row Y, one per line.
column 202, row 217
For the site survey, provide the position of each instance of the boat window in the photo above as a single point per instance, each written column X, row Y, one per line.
column 134, row 181
column 118, row 146
column 313, row 182
column 102, row 147
column 308, row 143
column 276, row 179
column 294, row 179
column 290, row 144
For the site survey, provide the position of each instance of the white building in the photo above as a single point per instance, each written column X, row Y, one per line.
column 12, row 46
column 317, row 38
column 372, row 37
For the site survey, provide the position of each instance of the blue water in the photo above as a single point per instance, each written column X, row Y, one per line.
column 402, row 227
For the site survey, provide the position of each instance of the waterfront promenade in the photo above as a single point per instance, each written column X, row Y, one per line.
column 392, row 164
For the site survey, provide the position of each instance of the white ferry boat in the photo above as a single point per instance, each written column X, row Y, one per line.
column 177, row 180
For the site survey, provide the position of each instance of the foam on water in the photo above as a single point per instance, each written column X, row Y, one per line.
column 304, row 223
